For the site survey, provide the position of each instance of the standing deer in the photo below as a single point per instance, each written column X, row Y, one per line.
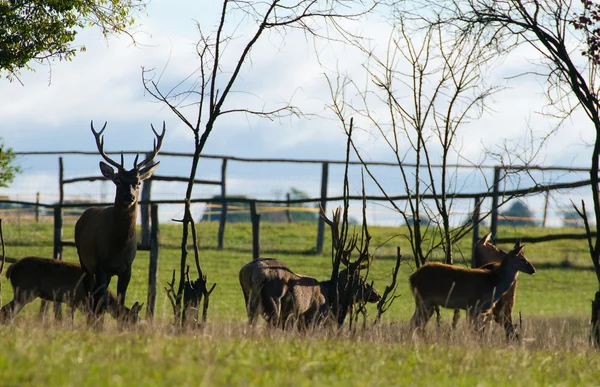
column 270, row 288
column 474, row 290
column 106, row 237
column 488, row 256
column 54, row 280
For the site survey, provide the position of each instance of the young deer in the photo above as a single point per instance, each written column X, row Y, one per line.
column 54, row 280
column 106, row 237
column 473, row 290
column 270, row 288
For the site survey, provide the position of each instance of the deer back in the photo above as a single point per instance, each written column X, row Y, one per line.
column 298, row 295
column 254, row 274
column 60, row 281
column 460, row 288
column 450, row 286
column 48, row 279
column 307, row 298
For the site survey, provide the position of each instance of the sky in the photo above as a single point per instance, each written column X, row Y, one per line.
column 52, row 110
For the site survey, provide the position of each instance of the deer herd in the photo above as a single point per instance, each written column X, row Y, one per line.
column 106, row 245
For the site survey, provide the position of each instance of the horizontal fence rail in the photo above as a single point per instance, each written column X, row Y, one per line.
column 494, row 192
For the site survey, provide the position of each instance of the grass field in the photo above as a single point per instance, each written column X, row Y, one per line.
column 555, row 305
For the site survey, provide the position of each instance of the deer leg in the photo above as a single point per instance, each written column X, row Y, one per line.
column 422, row 314
column 253, row 307
column 504, row 319
column 7, row 312
column 99, row 296
column 10, row 310
column 455, row 318
column 122, row 285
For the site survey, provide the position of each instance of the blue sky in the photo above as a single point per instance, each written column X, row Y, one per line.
column 104, row 84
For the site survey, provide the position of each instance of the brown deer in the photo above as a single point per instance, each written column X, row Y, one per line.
column 488, row 256
column 106, row 237
column 54, row 280
column 283, row 297
column 473, row 290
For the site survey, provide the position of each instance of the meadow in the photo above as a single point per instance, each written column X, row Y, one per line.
column 554, row 305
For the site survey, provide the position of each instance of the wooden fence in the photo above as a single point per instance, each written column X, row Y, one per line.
column 496, row 193
column 149, row 209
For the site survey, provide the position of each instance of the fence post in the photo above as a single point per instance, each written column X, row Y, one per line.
column 546, row 207
column 255, row 218
column 495, row 196
column 145, row 209
column 153, row 267
column 58, row 250
column 37, row 207
column 288, row 214
column 223, row 218
column 321, row 222
column 58, row 222
column 475, row 221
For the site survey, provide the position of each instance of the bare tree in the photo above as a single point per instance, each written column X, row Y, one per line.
column 200, row 105
column 343, row 295
column 429, row 83
column 560, row 31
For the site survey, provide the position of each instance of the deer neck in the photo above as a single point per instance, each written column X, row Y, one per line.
column 125, row 216
column 503, row 278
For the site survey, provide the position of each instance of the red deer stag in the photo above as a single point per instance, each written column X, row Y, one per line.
column 54, row 280
column 283, row 297
column 473, row 290
column 105, row 237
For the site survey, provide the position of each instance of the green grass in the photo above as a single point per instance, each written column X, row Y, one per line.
column 555, row 305
column 226, row 355
column 551, row 292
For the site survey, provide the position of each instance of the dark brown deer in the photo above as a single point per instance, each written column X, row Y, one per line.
column 105, row 237
column 283, row 297
column 54, row 280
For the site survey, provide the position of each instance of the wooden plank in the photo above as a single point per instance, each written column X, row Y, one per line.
column 255, row 218
column 323, row 200
column 223, row 219
column 495, row 198
column 153, row 266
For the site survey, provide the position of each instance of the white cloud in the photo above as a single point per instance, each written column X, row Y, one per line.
column 104, row 84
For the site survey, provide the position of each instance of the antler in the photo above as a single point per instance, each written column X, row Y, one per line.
column 334, row 225
column 156, row 148
column 100, row 144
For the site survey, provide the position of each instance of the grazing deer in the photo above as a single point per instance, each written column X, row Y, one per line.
column 474, row 290
column 270, row 288
column 54, row 280
column 106, row 237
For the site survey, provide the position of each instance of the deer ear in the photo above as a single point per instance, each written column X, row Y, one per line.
column 137, row 307
column 518, row 248
column 107, row 170
column 146, row 172
column 485, row 239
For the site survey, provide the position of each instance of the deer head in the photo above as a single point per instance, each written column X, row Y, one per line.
column 128, row 181
column 132, row 316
